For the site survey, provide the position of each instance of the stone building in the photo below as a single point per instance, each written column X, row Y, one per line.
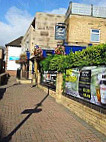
column 41, row 32
column 86, row 24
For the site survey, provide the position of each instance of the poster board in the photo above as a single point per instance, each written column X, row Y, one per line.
column 88, row 84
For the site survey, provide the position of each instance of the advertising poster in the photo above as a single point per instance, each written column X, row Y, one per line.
column 88, row 84
column 85, row 84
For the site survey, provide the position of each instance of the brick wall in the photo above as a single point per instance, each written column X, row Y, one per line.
column 91, row 116
column 11, row 73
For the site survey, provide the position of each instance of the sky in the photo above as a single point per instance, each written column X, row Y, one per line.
column 16, row 15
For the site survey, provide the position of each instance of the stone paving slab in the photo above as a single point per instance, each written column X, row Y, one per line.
column 30, row 115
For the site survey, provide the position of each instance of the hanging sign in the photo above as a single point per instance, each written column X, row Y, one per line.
column 60, row 31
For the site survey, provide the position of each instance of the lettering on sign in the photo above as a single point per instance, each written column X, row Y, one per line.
column 60, row 32
column 85, row 83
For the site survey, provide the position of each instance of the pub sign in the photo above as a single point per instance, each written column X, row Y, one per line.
column 60, row 31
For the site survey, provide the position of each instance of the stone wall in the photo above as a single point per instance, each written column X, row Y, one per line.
column 41, row 32
column 79, row 29
column 27, row 41
column 45, row 29
column 11, row 72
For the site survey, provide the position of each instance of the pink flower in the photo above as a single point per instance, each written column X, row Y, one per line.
column 60, row 49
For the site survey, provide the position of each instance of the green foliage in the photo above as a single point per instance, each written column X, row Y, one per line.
column 45, row 63
column 64, row 81
column 58, row 62
column 93, row 55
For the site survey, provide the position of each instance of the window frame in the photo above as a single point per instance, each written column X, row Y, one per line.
column 94, row 33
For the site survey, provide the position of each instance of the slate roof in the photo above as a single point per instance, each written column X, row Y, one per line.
column 16, row 42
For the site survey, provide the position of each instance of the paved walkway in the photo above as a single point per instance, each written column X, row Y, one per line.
column 30, row 115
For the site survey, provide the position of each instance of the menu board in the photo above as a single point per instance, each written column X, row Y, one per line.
column 85, row 83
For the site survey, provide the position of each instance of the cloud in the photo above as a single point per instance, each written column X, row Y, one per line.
column 102, row 3
column 95, row 2
column 58, row 11
column 17, row 22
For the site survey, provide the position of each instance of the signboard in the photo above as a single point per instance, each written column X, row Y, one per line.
column 12, row 58
column 60, row 32
column 28, row 54
column 85, row 83
column 88, row 84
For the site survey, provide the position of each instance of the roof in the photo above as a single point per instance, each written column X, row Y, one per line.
column 16, row 42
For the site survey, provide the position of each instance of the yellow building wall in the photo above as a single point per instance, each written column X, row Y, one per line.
column 79, row 29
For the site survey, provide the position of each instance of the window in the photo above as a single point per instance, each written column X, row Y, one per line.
column 95, row 35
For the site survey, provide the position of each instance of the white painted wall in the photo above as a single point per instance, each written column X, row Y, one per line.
column 13, row 53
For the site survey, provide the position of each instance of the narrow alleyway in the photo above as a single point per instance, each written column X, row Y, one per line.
column 30, row 115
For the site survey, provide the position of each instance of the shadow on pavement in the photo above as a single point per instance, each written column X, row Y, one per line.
column 2, row 91
column 1, row 130
column 13, row 85
column 30, row 111
column 27, row 111
column 4, row 79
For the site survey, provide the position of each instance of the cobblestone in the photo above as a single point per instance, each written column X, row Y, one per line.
column 30, row 115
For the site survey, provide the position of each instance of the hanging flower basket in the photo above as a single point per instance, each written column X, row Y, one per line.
column 23, row 59
column 38, row 51
column 60, row 50
column 17, row 61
